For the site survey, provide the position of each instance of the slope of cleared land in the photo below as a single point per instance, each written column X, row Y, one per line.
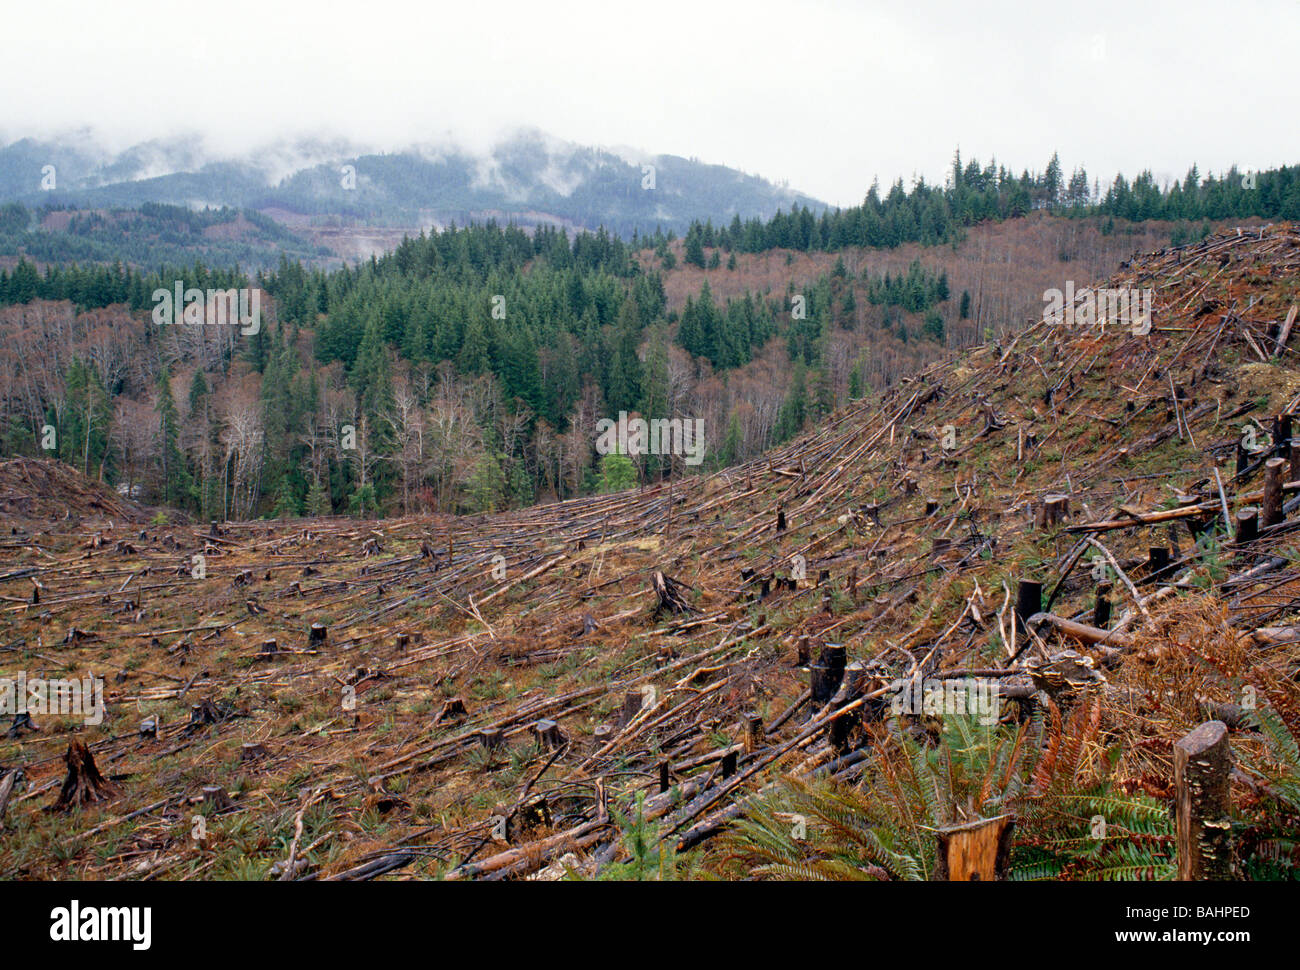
column 486, row 696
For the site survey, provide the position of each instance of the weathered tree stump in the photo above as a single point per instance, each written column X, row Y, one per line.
column 729, row 761
column 403, row 641
column 215, row 797
column 1053, row 510
column 149, row 727
column 1273, row 491
column 632, row 701
column 1101, row 607
column 975, row 851
column 826, row 674
column 548, row 735
column 931, row 506
column 803, row 651
column 251, row 751
column 204, row 713
column 83, row 784
column 1282, row 435
column 491, row 738
column 664, row 783
column 1247, row 525
column 22, row 722
column 453, row 709
column 269, row 647
column 670, row 595
column 1029, row 600
column 753, row 732
column 1157, row 560
column 1203, row 799
column 317, row 636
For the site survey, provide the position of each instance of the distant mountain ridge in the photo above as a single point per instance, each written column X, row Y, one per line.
column 528, row 177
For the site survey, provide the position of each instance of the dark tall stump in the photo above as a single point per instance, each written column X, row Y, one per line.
column 1203, row 799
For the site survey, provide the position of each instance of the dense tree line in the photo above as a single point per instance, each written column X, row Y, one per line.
column 932, row 215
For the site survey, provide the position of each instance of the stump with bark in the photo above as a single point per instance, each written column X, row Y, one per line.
column 83, row 784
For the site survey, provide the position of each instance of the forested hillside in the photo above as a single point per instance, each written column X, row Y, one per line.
column 466, row 370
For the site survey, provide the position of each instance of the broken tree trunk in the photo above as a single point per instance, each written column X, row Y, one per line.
column 84, row 784
column 1202, row 765
column 975, row 851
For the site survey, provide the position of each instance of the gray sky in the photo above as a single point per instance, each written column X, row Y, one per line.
column 823, row 94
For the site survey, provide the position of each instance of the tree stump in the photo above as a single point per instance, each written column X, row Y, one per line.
column 669, row 593
column 149, row 727
column 1203, row 799
column 1282, row 435
column 1247, row 525
column 215, row 797
column 317, row 635
column 83, row 784
column 1273, row 491
column 663, row 777
column 548, row 735
column 729, row 761
column 453, row 709
column 1101, row 607
column 22, row 722
column 403, row 641
column 975, row 851
column 826, row 674
column 1053, row 510
column 491, row 738
column 251, row 751
column 1029, row 600
column 753, row 732
column 1157, row 560
column 1273, row 512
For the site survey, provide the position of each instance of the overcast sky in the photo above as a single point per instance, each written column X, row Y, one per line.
column 825, row 94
